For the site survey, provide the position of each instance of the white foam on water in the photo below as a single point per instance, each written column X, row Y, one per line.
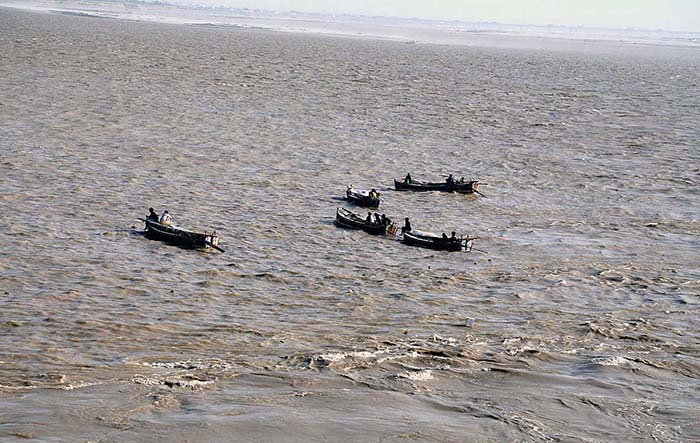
column 611, row 361
column 340, row 356
column 421, row 375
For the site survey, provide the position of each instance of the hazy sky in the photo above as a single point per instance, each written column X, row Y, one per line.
column 672, row 15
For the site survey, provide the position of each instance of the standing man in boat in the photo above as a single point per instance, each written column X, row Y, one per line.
column 406, row 227
column 152, row 216
column 165, row 218
column 407, row 180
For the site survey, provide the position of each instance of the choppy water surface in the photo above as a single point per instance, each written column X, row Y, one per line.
column 584, row 305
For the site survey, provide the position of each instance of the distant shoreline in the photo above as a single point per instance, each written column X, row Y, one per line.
column 412, row 31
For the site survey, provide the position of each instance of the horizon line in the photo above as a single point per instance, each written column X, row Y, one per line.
column 186, row 3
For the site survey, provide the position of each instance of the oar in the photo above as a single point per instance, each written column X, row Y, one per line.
column 479, row 193
column 213, row 246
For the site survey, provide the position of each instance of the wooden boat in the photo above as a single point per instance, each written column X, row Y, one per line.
column 433, row 241
column 181, row 237
column 417, row 185
column 362, row 198
column 348, row 219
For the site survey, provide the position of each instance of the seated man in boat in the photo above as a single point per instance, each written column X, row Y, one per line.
column 453, row 238
column 152, row 216
column 373, row 195
column 407, row 179
column 349, row 191
column 444, row 237
column 450, row 180
column 386, row 221
column 377, row 218
column 461, row 180
column 406, row 227
column 368, row 220
column 165, row 218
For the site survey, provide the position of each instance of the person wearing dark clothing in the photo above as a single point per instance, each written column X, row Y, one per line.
column 450, row 180
column 408, row 178
column 453, row 238
column 152, row 216
column 369, row 218
column 406, row 227
column 377, row 218
column 386, row 221
column 444, row 236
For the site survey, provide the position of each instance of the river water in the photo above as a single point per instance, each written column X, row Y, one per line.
column 582, row 301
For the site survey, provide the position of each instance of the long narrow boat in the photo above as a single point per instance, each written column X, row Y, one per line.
column 362, row 198
column 433, row 241
column 348, row 219
column 417, row 185
column 181, row 237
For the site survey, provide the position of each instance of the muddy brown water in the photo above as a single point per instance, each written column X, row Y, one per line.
column 584, row 306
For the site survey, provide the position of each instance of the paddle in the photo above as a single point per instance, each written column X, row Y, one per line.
column 472, row 248
column 212, row 245
column 479, row 193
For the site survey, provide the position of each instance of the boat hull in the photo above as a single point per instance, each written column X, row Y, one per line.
column 350, row 220
column 464, row 188
column 432, row 242
column 180, row 237
column 363, row 200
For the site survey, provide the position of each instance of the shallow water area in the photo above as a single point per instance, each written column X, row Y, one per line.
column 583, row 304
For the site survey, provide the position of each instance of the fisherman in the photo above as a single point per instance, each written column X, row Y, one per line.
column 453, row 238
column 349, row 191
column 450, row 180
column 368, row 220
column 377, row 218
column 408, row 178
column 406, row 227
column 373, row 195
column 165, row 218
column 444, row 237
column 152, row 216
column 461, row 180
column 386, row 221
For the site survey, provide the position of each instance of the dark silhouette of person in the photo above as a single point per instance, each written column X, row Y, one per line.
column 407, row 226
column 152, row 216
